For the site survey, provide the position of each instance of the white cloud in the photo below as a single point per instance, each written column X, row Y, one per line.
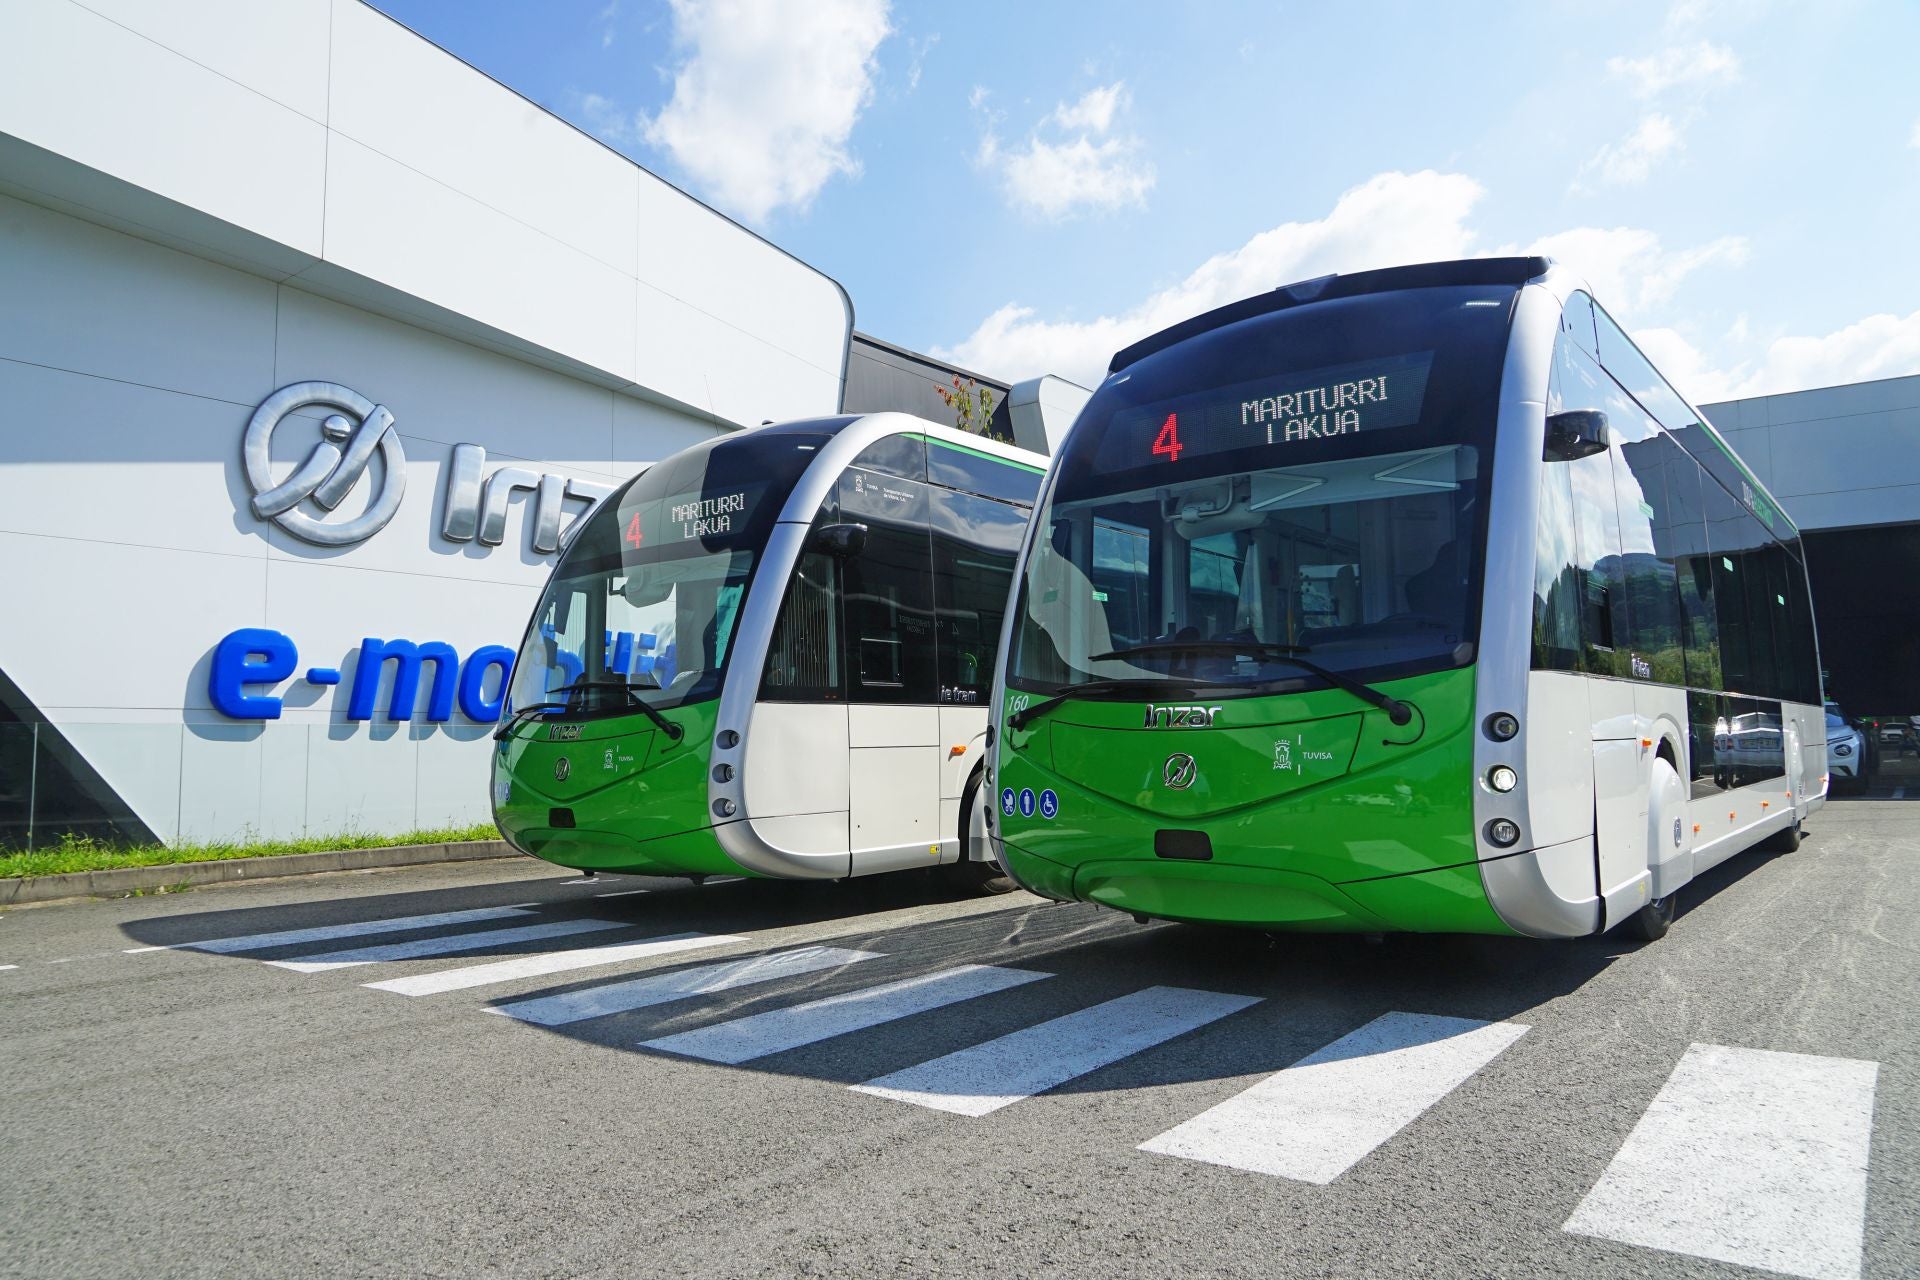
column 1393, row 218
column 1630, row 161
column 1699, row 66
column 1913, row 139
column 1083, row 167
column 1094, row 112
column 919, row 49
column 767, row 96
column 1626, row 266
column 1056, row 180
column 608, row 120
column 1879, row 346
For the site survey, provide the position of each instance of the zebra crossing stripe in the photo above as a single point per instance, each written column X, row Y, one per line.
column 1322, row 1115
column 446, row 944
column 1748, row 1157
column 997, row 1073
column 660, row 988
column 480, row 975
column 358, row 929
column 757, row 1035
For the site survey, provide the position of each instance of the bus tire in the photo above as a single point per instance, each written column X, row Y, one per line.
column 1652, row 921
column 975, row 877
column 1785, row 840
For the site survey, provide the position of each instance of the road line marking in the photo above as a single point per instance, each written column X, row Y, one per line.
column 445, row 944
column 1749, row 1157
column 1324, row 1114
column 660, row 988
column 9, row 966
column 323, row 933
column 756, row 1036
column 140, row 951
column 1001, row 1072
column 624, row 893
column 480, row 975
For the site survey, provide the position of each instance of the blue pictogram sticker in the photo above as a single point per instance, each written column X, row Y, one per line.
column 1007, row 802
column 1049, row 804
column 1026, row 802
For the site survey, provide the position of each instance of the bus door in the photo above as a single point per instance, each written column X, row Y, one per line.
column 893, row 712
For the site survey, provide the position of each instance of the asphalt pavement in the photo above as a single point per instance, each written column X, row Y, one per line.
column 500, row 1068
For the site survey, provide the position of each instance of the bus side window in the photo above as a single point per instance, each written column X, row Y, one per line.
column 1647, row 565
column 1686, row 542
column 1579, row 383
column 1732, row 537
column 888, row 592
column 803, row 659
column 975, row 541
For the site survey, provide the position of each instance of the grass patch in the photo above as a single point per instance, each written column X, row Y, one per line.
column 81, row 853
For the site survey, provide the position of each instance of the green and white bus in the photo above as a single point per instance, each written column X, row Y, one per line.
column 772, row 654
column 1408, row 600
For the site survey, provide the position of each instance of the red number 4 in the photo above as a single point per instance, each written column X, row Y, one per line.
column 633, row 530
column 1168, row 441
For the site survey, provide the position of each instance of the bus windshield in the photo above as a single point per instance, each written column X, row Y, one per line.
column 644, row 602
column 1305, row 484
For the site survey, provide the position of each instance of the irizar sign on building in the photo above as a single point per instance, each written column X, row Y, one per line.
column 252, row 659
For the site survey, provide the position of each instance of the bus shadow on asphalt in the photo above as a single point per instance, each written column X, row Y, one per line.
column 1310, row 988
column 719, row 906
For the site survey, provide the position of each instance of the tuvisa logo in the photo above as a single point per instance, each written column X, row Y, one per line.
column 1171, row 717
column 476, row 501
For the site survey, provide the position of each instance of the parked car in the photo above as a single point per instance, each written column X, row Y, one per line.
column 1846, row 754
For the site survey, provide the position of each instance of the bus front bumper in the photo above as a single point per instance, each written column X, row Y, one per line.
column 1445, row 899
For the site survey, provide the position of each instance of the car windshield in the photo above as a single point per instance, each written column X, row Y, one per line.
column 645, row 601
column 1306, row 484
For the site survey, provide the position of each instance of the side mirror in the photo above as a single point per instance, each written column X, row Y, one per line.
column 842, row 541
column 1577, row 433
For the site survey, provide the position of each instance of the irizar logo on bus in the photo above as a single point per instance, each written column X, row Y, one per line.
column 1171, row 717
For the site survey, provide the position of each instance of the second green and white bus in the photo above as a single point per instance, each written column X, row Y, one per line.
column 1415, row 599
column 771, row 655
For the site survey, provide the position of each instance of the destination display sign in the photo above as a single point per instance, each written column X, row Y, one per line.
column 712, row 517
column 1278, row 410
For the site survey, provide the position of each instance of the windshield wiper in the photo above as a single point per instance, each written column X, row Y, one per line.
column 665, row 725
column 1397, row 711
column 1019, row 719
column 514, row 720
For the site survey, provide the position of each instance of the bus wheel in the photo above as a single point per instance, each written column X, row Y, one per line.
column 1653, row 920
column 1785, row 840
column 976, row 877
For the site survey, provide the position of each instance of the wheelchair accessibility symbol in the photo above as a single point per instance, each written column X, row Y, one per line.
column 1049, row 804
column 1007, row 802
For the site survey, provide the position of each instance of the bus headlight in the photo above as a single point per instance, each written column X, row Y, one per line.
column 1502, row 726
column 1502, row 778
column 1503, row 833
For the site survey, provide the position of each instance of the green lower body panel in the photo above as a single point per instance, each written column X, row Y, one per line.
column 612, row 794
column 1299, row 811
column 1445, row 900
column 686, row 854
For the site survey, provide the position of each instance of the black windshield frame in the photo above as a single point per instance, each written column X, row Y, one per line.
column 769, row 462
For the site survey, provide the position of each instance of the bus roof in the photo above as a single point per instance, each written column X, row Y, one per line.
column 1425, row 275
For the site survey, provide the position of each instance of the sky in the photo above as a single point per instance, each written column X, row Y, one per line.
column 1024, row 188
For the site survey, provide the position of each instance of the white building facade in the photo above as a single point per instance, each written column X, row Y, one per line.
column 313, row 343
